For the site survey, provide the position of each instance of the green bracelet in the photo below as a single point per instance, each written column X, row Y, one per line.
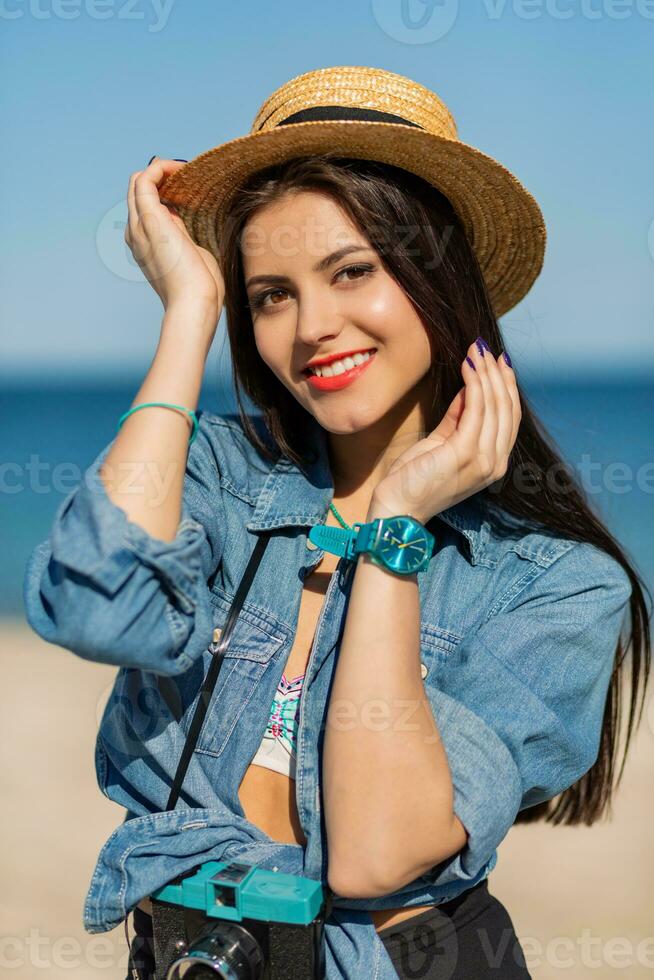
column 165, row 405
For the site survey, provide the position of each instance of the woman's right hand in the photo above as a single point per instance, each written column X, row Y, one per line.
column 177, row 269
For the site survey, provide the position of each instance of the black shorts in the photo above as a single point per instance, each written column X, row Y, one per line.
column 470, row 937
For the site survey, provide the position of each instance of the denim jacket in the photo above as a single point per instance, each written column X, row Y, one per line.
column 518, row 633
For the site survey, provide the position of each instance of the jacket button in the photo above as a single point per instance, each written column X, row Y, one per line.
column 423, row 669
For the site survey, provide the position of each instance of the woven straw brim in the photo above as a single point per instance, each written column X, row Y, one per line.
column 502, row 220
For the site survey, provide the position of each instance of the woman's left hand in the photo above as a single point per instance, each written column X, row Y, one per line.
column 466, row 452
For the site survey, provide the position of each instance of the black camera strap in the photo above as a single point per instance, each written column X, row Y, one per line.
column 201, row 707
column 214, row 669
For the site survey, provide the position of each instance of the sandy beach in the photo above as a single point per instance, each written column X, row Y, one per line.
column 581, row 899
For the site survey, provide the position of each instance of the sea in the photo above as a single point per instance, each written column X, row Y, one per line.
column 53, row 429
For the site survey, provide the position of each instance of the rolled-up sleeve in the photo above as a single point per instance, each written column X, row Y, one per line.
column 520, row 707
column 107, row 590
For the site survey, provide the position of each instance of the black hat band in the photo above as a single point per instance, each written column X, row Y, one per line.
column 332, row 112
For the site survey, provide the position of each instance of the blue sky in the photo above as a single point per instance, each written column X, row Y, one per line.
column 559, row 91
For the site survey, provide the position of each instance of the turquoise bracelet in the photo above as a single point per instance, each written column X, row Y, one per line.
column 164, row 405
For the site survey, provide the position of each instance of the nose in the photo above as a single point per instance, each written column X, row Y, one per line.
column 318, row 320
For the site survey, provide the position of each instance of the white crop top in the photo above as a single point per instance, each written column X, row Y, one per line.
column 277, row 748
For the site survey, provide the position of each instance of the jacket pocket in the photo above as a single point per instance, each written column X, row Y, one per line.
column 151, row 714
column 437, row 648
column 254, row 641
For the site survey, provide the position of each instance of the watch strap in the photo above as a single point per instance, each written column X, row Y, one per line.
column 336, row 540
column 365, row 537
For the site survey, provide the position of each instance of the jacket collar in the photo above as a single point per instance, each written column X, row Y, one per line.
column 299, row 497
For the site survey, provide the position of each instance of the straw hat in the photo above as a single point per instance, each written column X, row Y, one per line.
column 374, row 114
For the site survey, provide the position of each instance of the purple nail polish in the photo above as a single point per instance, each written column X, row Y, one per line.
column 507, row 358
column 480, row 345
column 471, row 363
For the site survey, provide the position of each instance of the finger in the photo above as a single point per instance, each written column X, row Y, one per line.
column 504, row 407
column 131, row 204
column 146, row 192
column 161, row 168
column 440, row 434
column 512, row 387
column 450, row 420
column 466, row 436
column 437, row 436
column 488, row 435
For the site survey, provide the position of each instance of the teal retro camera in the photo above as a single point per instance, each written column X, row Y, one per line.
column 239, row 922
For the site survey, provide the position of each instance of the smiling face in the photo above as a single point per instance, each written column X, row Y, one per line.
column 305, row 308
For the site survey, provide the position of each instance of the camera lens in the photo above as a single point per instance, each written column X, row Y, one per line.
column 224, row 950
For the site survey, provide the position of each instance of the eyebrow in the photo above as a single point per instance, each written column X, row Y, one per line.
column 320, row 266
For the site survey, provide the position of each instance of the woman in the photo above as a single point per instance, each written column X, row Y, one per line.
column 419, row 707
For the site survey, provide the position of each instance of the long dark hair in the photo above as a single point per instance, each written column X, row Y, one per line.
column 422, row 244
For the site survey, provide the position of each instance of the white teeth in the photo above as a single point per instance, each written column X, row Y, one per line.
column 339, row 367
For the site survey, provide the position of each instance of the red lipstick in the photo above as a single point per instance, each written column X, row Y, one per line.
column 340, row 380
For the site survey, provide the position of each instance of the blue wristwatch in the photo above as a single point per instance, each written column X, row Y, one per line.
column 401, row 544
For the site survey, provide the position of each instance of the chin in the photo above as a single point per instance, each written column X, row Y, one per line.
column 346, row 422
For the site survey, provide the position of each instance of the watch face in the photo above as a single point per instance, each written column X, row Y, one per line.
column 404, row 544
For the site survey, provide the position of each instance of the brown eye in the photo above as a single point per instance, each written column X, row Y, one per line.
column 259, row 301
column 355, row 268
